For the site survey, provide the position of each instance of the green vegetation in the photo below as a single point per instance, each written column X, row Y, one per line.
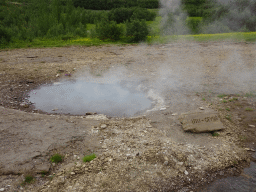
column 203, row 99
column 28, row 179
column 251, row 94
column 228, row 109
column 248, row 109
column 137, row 30
column 222, row 95
column 111, row 4
column 215, row 134
column 89, row 157
column 57, row 158
column 228, row 117
column 56, row 23
column 224, row 101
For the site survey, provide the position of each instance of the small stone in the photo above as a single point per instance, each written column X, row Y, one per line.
column 251, row 126
column 180, row 163
column 146, row 171
column 2, row 189
column 166, row 158
column 174, row 114
column 186, row 173
column 72, row 173
column 25, row 105
column 55, row 109
column 57, row 75
column 201, row 108
column 104, row 146
column 86, row 169
column 166, row 163
column 162, row 109
column 103, row 126
column 53, row 164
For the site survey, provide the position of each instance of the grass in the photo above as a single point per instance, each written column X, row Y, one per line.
column 224, row 101
column 88, row 158
column 28, row 179
column 215, row 134
column 228, row 117
column 227, row 109
column 222, row 95
column 57, row 158
column 203, row 99
column 248, row 109
column 251, row 94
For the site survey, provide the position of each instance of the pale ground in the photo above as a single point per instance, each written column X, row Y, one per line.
column 144, row 153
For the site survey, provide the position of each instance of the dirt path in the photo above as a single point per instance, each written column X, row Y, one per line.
column 150, row 152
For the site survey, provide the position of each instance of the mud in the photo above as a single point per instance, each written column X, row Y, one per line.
column 144, row 153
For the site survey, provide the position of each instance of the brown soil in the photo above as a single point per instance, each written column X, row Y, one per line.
column 144, row 153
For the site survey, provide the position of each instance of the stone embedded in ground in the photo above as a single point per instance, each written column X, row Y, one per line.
column 201, row 122
column 43, row 167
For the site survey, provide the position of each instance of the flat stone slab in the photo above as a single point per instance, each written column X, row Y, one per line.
column 201, row 122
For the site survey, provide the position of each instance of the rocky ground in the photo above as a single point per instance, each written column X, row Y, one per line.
column 149, row 152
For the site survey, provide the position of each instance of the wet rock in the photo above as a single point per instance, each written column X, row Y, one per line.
column 201, row 122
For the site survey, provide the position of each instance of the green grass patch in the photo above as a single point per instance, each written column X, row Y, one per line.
column 227, row 109
column 228, row 117
column 57, row 158
column 28, row 179
column 88, row 158
column 215, row 134
column 222, row 95
column 248, row 109
column 203, row 99
column 224, row 101
column 251, row 94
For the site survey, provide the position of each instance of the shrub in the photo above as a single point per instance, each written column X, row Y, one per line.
column 108, row 30
column 194, row 24
column 137, row 30
column 5, row 36
column 56, row 158
column 121, row 15
column 88, row 158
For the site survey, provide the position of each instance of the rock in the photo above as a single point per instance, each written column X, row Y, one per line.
column 57, row 75
column 201, row 122
column 25, row 105
column 72, row 173
column 251, row 126
column 43, row 167
column 166, row 163
column 174, row 114
column 186, row 173
column 248, row 149
column 180, row 163
column 55, row 109
column 162, row 109
column 201, row 108
column 103, row 126
column 2, row 189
